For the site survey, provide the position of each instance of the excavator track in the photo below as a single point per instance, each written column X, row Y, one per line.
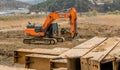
column 47, row 41
column 50, row 41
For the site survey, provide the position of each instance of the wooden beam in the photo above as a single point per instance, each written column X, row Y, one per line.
column 83, row 48
column 98, row 54
column 39, row 62
column 19, row 55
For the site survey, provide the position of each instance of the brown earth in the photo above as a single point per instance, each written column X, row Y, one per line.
column 11, row 33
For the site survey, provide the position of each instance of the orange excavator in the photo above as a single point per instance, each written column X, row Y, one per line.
column 49, row 33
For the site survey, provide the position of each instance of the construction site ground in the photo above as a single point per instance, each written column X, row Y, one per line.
column 11, row 33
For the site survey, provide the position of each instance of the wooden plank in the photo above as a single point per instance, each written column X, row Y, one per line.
column 115, row 65
column 42, row 56
column 44, row 62
column 103, row 49
column 59, row 63
column 71, row 64
column 19, row 55
column 59, row 60
column 44, row 51
column 39, row 62
column 84, row 64
column 73, row 53
column 92, row 60
column 84, row 48
column 113, row 55
column 60, row 69
column 90, row 43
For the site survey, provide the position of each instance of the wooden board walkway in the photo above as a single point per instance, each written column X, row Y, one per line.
column 83, row 48
column 113, row 55
column 92, row 60
column 80, row 51
column 19, row 55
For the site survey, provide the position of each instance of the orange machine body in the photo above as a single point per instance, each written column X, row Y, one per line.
column 72, row 15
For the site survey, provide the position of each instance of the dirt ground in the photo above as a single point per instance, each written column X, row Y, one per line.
column 11, row 33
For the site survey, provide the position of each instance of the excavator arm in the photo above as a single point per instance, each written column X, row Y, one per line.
column 55, row 15
column 73, row 20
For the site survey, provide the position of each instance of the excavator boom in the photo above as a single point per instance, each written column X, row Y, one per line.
column 55, row 15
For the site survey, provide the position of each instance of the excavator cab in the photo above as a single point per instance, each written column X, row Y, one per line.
column 52, row 30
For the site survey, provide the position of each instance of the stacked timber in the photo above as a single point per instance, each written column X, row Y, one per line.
column 40, row 59
column 73, row 55
column 19, row 55
column 97, row 53
column 93, row 59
